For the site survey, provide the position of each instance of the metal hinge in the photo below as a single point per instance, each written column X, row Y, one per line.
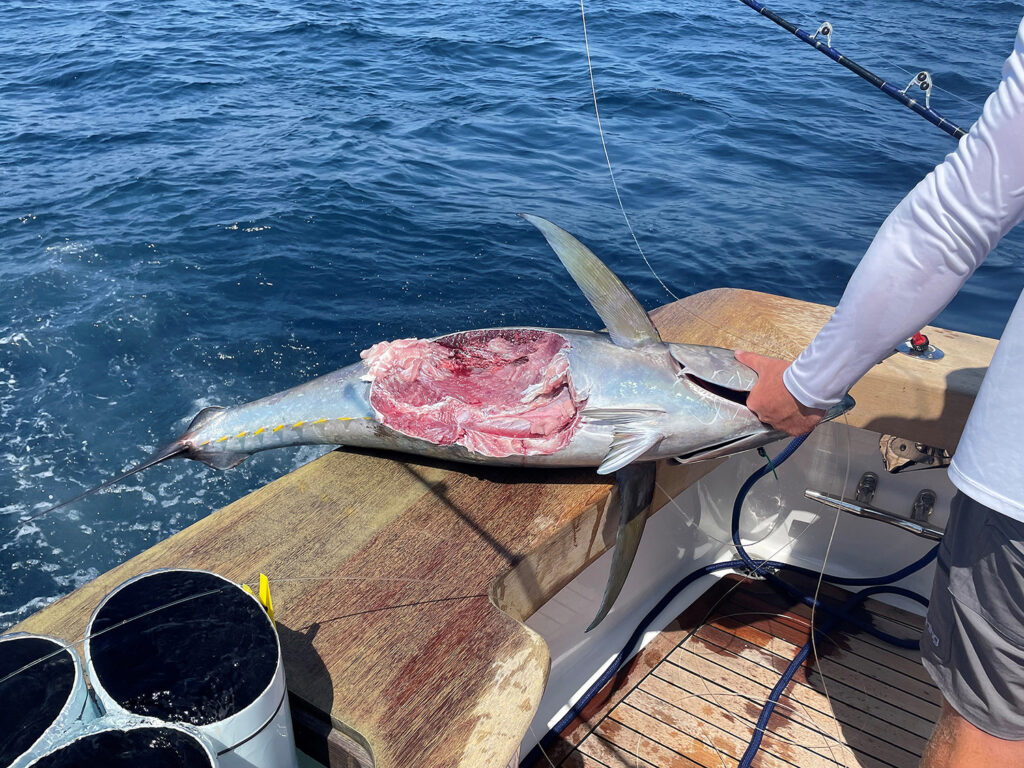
column 899, row 454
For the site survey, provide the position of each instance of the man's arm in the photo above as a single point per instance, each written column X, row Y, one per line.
column 922, row 254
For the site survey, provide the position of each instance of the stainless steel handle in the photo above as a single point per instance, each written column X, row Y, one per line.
column 874, row 513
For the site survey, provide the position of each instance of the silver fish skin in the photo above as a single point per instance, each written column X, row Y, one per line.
column 667, row 401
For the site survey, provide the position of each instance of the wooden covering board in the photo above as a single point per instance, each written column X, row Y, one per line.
column 926, row 401
column 693, row 696
column 386, row 571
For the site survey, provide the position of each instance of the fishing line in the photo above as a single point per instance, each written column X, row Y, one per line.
column 762, row 344
column 798, row 714
column 228, row 587
column 607, row 159
column 968, row 102
column 827, row 739
column 542, row 750
column 887, row 88
column 118, row 625
column 844, row 612
column 283, row 579
column 821, row 574
column 821, row 579
column 618, row 197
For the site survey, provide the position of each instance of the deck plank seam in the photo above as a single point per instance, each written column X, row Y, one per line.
column 918, row 683
column 778, row 749
column 742, row 739
column 854, row 641
column 615, row 747
column 875, row 609
column 855, row 653
column 803, row 612
column 705, row 740
column 712, row 616
column 624, row 674
column 810, row 725
column 851, row 695
column 908, row 684
column 787, row 702
column 804, row 616
column 844, row 719
column 689, row 635
column 674, row 754
column 799, row 683
column 708, row 614
column 740, row 581
column 924, row 724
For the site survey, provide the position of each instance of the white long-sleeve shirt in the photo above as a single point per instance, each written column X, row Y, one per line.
column 922, row 254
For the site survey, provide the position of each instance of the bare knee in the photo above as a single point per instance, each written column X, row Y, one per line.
column 938, row 753
column 956, row 743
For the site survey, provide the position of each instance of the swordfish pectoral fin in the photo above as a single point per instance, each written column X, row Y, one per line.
column 223, row 459
column 623, row 316
column 627, row 446
column 636, row 431
column 636, row 491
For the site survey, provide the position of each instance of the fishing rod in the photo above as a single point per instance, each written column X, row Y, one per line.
column 922, row 80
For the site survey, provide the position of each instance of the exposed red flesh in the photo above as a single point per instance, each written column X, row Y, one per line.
column 498, row 392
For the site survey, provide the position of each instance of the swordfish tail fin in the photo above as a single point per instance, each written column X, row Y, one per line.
column 170, row 451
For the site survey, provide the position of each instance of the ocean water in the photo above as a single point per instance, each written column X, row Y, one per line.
column 205, row 202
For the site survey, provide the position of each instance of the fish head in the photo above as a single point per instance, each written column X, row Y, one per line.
column 717, row 367
column 718, row 374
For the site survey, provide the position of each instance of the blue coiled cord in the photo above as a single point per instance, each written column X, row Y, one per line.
column 875, row 585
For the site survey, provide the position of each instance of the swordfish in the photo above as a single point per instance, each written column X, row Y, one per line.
column 618, row 400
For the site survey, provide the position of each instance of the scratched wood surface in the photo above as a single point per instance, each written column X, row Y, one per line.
column 387, row 571
column 693, row 696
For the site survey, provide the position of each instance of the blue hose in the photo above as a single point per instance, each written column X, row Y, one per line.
column 874, row 585
column 800, row 594
column 820, row 635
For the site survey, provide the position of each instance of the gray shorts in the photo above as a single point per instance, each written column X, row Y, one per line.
column 973, row 642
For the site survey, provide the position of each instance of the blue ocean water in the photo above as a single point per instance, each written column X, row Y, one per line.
column 205, row 202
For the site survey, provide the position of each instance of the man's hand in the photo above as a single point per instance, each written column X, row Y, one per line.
column 771, row 402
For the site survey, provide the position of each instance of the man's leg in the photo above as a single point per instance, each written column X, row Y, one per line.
column 973, row 643
column 955, row 743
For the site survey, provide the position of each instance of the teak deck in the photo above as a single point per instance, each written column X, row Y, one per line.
column 693, row 697
column 388, row 573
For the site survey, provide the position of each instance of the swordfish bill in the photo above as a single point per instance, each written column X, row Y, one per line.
column 617, row 400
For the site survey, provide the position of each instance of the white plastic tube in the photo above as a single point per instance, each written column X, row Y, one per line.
column 158, row 645
column 42, row 694
column 121, row 741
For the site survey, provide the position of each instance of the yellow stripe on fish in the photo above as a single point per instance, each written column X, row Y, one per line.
column 279, row 427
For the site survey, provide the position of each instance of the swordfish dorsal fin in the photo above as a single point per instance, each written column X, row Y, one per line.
column 626, row 321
